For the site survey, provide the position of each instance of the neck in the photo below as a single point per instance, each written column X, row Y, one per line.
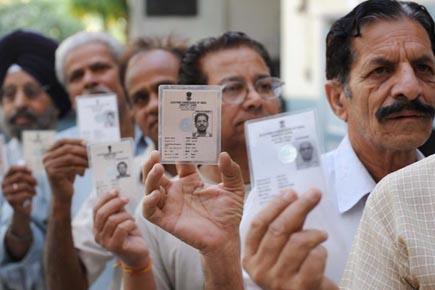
column 380, row 161
column 239, row 155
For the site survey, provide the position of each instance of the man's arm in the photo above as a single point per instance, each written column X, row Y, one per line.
column 206, row 218
column 63, row 269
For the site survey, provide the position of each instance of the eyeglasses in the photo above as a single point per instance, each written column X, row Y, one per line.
column 31, row 91
column 235, row 92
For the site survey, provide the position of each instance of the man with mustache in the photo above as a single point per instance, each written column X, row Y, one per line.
column 380, row 71
column 31, row 99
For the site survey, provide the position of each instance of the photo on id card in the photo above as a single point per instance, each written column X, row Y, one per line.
column 35, row 144
column 189, row 123
column 284, row 152
column 112, row 167
column 98, row 118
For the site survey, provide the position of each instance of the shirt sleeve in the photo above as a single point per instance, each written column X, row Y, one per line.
column 28, row 272
column 378, row 258
column 93, row 256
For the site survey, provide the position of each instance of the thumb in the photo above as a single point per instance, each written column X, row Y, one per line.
column 230, row 172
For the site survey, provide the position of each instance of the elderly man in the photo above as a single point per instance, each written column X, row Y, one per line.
column 242, row 66
column 153, row 62
column 31, row 99
column 380, row 70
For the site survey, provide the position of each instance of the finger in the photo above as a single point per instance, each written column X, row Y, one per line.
column 152, row 204
column 122, row 231
column 17, row 168
column 67, row 161
column 185, row 169
column 149, row 163
column 103, row 200
column 230, row 172
column 288, row 222
column 66, row 141
column 18, row 187
column 68, row 153
column 311, row 273
column 19, row 177
column 297, row 249
column 112, row 223
column 19, row 198
column 261, row 222
column 113, row 206
column 154, row 178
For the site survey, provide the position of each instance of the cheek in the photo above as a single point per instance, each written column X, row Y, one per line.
column 273, row 107
column 8, row 109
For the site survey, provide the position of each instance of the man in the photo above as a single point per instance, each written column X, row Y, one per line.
column 242, row 66
column 31, row 99
column 122, row 169
column 306, row 157
column 145, row 65
column 201, row 125
column 86, row 63
column 380, row 82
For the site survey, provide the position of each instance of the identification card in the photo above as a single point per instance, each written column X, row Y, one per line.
column 189, row 123
column 112, row 167
column 35, row 144
column 283, row 153
column 98, row 118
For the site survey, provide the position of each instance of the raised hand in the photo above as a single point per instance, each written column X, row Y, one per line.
column 204, row 217
column 19, row 188
column 116, row 231
column 66, row 159
column 279, row 253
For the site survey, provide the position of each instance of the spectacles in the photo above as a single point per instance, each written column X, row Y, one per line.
column 235, row 92
column 31, row 91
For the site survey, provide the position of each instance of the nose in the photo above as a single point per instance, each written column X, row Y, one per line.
column 20, row 99
column 153, row 105
column 407, row 84
column 253, row 100
column 90, row 80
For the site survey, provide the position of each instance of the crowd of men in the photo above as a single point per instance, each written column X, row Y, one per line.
column 182, row 230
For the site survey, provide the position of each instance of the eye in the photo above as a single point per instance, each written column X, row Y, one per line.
column 424, row 68
column 75, row 76
column 100, row 67
column 140, row 99
column 233, row 88
column 381, row 71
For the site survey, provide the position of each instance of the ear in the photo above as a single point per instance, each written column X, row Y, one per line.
column 337, row 99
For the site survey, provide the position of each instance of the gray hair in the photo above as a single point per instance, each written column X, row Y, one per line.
column 82, row 38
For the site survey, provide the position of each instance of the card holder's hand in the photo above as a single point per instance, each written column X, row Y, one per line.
column 116, row 231
column 279, row 253
column 66, row 159
column 207, row 218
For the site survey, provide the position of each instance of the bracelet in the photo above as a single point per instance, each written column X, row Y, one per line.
column 134, row 271
column 18, row 238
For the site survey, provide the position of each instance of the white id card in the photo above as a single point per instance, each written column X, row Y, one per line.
column 98, row 118
column 189, row 123
column 35, row 144
column 112, row 167
column 284, row 152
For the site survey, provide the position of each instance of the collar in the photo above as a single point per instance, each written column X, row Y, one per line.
column 352, row 180
column 141, row 143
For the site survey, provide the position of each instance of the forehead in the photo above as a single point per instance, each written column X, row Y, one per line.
column 243, row 62
column 19, row 76
column 392, row 39
column 149, row 66
column 87, row 54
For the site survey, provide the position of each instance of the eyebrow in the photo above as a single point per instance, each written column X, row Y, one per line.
column 380, row 61
column 423, row 59
column 237, row 78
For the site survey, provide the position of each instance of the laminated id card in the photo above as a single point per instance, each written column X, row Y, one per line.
column 189, row 123
column 284, row 152
column 98, row 118
column 35, row 144
column 113, row 167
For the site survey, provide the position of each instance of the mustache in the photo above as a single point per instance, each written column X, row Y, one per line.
column 402, row 105
column 24, row 112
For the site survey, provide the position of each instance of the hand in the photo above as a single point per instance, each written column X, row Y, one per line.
column 205, row 218
column 18, row 188
column 66, row 159
column 116, row 231
column 279, row 253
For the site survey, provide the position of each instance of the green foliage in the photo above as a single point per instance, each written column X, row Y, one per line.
column 110, row 11
column 50, row 17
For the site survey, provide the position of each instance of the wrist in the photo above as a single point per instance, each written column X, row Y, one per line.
column 135, row 262
column 61, row 208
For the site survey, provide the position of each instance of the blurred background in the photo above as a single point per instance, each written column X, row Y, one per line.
column 293, row 31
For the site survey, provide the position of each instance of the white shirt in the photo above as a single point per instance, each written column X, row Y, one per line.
column 94, row 257
column 340, row 210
